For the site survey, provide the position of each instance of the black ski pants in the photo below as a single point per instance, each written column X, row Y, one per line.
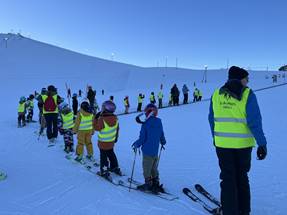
column 139, row 109
column 185, row 98
column 235, row 190
column 108, row 159
column 51, row 122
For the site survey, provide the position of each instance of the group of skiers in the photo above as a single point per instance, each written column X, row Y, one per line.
column 173, row 98
column 25, row 106
column 59, row 117
column 235, row 122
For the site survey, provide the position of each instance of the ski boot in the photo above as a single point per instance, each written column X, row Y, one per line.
column 147, row 186
column 117, row 171
column 90, row 158
column 104, row 172
column 156, row 186
column 79, row 158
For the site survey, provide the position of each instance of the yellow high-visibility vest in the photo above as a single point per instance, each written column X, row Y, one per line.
column 86, row 122
column 44, row 98
column 108, row 133
column 230, row 124
column 21, row 107
column 68, row 120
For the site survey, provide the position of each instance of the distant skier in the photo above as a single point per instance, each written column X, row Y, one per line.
column 106, row 123
column 84, row 130
column 126, row 104
column 152, row 98
column 236, row 123
column 175, row 95
column 66, row 125
column 75, row 104
column 140, row 102
column 91, row 95
column 160, row 97
column 80, row 93
column 151, row 135
column 185, row 91
column 21, row 112
column 30, row 108
column 112, row 98
column 69, row 93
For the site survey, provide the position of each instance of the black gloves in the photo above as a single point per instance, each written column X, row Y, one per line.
column 261, row 152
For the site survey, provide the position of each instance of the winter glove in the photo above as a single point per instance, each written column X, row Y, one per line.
column 138, row 120
column 261, row 152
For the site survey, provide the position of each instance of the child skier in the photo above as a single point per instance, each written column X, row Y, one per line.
column 84, row 129
column 30, row 108
column 108, row 126
column 66, row 125
column 151, row 135
column 21, row 112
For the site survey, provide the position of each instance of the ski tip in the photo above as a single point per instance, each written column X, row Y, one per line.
column 185, row 190
column 198, row 186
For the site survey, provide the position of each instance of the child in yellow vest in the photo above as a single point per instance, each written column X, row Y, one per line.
column 84, row 130
column 21, row 112
column 65, row 125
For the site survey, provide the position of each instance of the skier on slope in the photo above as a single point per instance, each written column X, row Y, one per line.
column 66, row 125
column 22, row 111
column 151, row 135
column 84, row 129
column 107, row 124
column 236, row 123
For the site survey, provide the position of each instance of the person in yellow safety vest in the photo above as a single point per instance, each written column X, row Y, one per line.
column 30, row 108
column 199, row 95
column 21, row 112
column 84, row 130
column 107, row 124
column 236, row 125
column 195, row 95
column 66, row 125
column 50, row 102
column 127, row 104
column 160, row 97
column 152, row 98
column 140, row 102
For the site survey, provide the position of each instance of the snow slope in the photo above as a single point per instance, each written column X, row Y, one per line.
column 41, row 181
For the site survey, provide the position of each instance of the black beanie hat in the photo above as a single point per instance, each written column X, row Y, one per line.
column 237, row 73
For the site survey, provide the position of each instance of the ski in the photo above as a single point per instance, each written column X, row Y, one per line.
column 108, row 177
column 206, row 194
column 195, row 198
column 163, row 195
column 84, row 162
column 3, row 176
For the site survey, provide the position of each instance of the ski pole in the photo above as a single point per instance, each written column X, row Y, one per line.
column 161, row 148
column 133, row 168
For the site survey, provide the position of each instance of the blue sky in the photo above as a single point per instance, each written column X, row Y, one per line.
column 248, row 33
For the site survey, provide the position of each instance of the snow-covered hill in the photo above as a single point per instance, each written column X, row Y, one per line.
column 41, row 181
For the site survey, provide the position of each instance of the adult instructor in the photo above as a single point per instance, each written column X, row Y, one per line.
column 236, row 125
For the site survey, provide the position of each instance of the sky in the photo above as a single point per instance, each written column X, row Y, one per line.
column 150, row 33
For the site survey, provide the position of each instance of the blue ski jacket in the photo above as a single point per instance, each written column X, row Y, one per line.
column 151, row 135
